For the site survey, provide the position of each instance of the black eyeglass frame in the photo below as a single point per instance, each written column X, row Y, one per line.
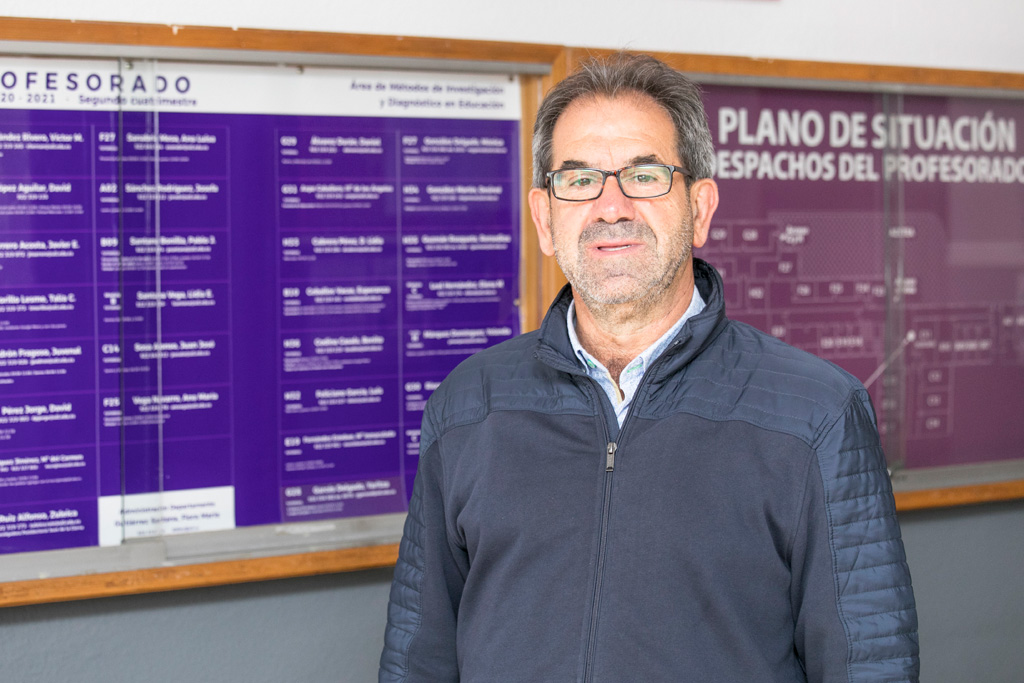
column 604, row 179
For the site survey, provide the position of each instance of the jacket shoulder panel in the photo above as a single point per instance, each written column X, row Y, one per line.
column 507, row 376
column 747, row 375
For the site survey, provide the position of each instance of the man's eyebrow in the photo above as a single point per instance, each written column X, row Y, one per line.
column 570, row 164
column 645, row 159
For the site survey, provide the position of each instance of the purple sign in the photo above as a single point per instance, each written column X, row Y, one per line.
column 883, row 233
column 211, row 320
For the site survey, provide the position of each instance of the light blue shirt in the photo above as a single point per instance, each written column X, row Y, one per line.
column 631, row 375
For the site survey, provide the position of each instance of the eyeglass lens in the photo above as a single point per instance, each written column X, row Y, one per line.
column 638, row 182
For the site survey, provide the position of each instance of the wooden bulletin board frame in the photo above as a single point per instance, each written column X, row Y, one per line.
column 539, row 67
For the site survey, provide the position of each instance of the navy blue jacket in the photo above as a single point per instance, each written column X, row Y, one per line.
column 739, row 527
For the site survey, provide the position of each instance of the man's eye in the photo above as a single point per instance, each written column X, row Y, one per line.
column 643, row 176
column 578, row 179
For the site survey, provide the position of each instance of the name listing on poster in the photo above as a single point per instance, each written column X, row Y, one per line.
column 205, row 320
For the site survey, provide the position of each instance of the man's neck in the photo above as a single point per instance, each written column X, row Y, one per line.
column 616, row 334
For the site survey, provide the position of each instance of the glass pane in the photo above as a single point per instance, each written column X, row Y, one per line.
column 58, row 226
column 228, row 290
column 955, row 254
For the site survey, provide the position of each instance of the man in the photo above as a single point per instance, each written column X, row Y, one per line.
column 643, row 490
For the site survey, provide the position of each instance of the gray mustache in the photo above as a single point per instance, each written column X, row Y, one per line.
column 632, row 230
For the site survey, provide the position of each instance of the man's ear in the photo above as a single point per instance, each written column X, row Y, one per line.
column 703, row 202
column 540, row 211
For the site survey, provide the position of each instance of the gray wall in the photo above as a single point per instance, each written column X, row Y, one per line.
column 967, row 563
column 968, row 571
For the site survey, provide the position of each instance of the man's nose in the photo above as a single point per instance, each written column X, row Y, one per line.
column 613, row 206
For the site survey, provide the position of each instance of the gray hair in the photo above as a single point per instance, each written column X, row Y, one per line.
column 622, row 75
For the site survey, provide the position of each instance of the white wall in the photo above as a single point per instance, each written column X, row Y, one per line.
column 980, row 34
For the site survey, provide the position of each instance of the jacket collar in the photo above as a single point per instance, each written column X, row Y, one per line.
column 554, row 348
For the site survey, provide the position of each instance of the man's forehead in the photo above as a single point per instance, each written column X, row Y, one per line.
column 635, row 97
column 633, row 127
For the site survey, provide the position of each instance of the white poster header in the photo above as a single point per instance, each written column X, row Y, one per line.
column 112, row 85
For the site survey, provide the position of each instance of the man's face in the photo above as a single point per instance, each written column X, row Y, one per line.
column 614, row 249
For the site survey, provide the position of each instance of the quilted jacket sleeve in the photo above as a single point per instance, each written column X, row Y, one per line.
column 419, row 643
column 855, row 615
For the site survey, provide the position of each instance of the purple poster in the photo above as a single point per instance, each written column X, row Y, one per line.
column 226, row 292
column 884, row 233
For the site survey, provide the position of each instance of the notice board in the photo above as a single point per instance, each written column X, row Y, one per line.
column 884, row 231
column 229, row 289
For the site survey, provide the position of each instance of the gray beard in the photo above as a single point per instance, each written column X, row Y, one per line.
column 648, row 287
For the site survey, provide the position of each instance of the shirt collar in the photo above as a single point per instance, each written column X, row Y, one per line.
column 647, row 355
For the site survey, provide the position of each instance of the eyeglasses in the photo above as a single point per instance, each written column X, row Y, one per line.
column 643, row 181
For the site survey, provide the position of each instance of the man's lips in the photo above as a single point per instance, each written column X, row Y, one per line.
column 617, row 239
column 612, row 247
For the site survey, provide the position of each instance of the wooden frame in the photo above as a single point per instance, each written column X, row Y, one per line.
column 132, row 582
column 540, row 279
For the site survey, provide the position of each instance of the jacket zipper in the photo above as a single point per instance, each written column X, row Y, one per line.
column 592, row 639
column 609, row 469
column 556, row 361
